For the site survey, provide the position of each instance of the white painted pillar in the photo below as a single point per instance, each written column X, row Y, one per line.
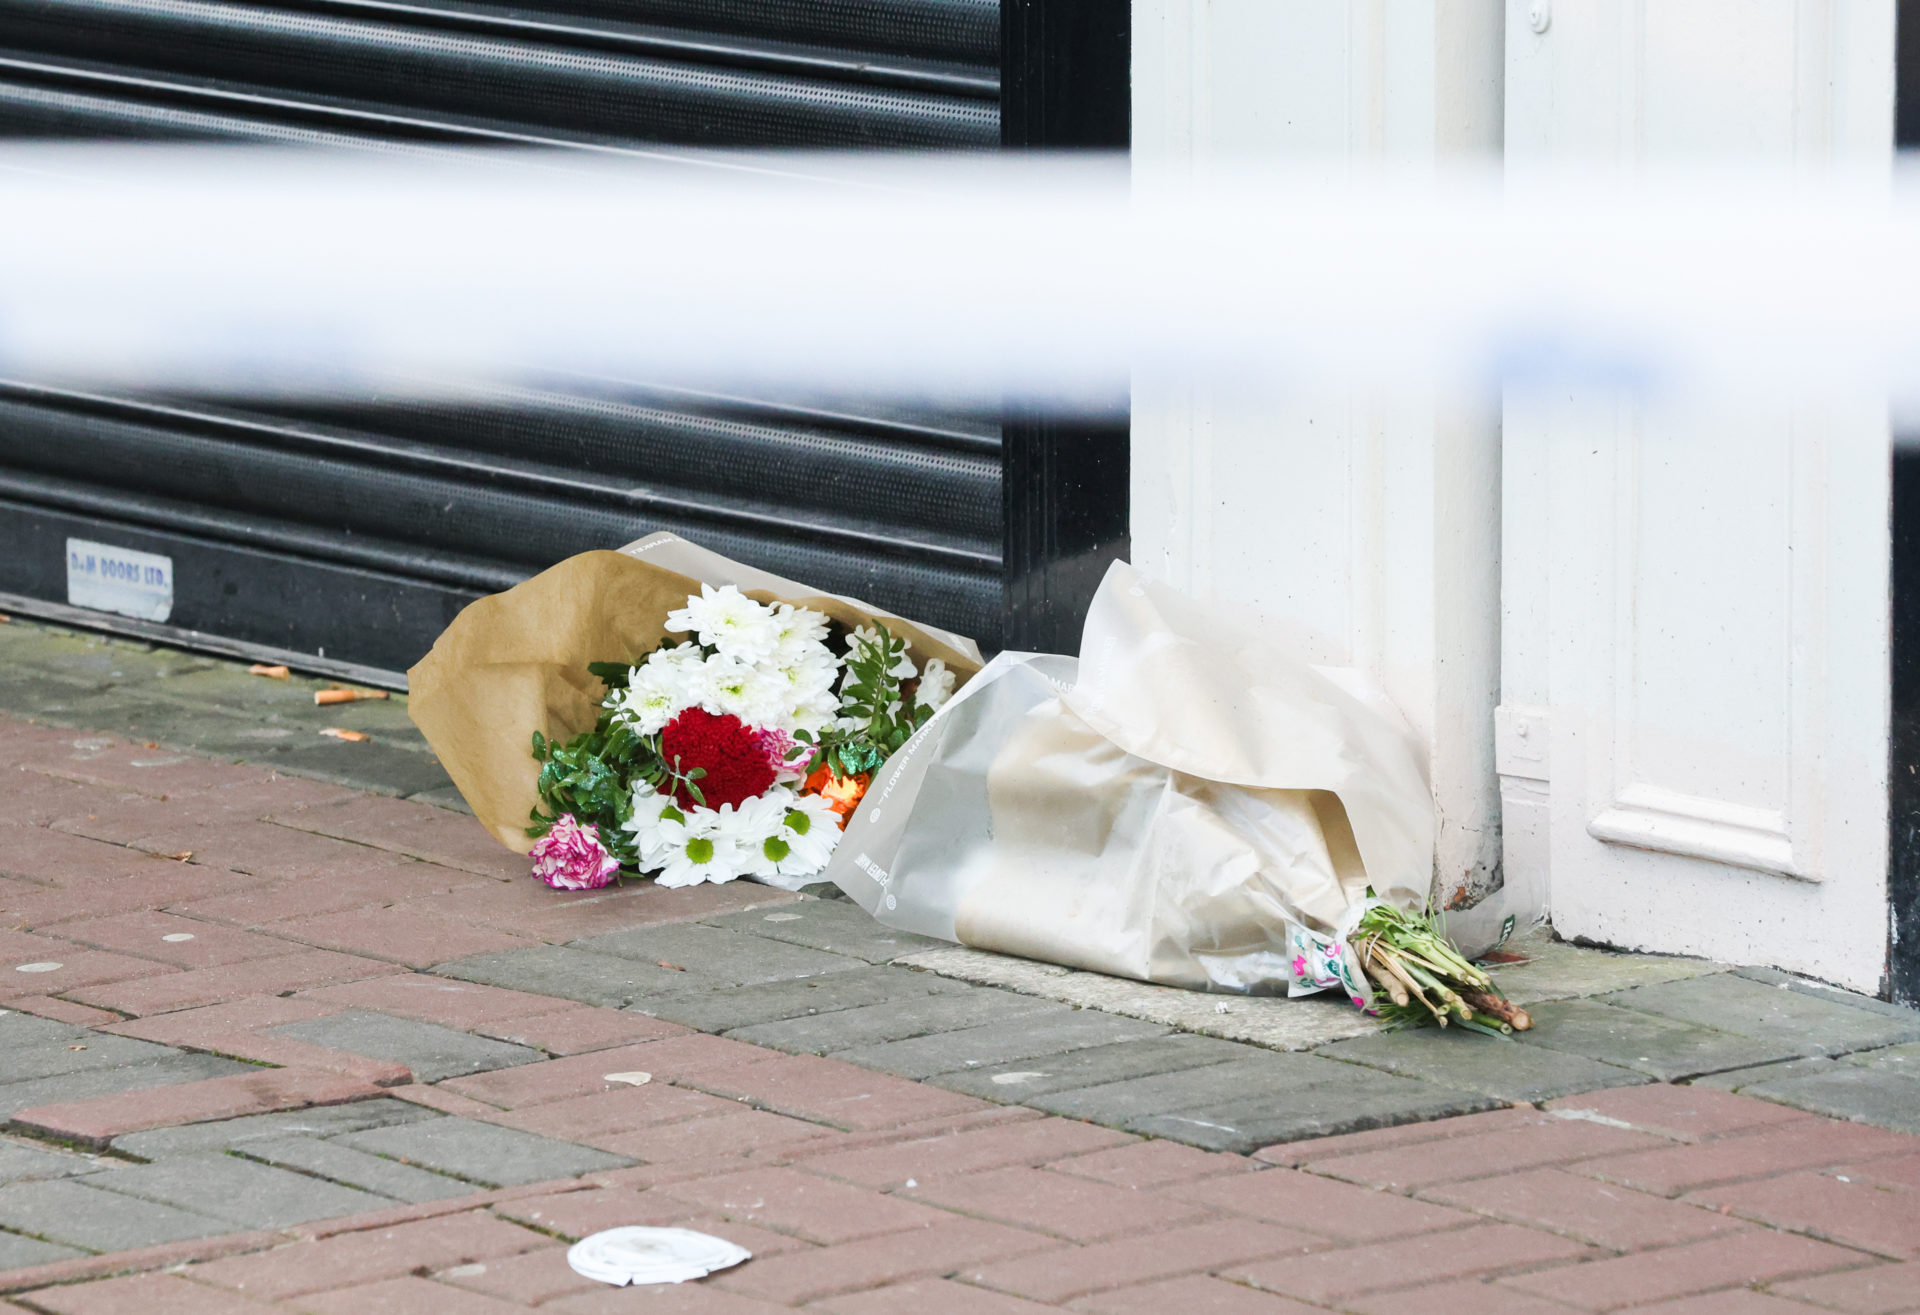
column 1368, row 525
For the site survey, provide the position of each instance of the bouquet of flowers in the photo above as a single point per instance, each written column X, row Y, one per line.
column 737, row 751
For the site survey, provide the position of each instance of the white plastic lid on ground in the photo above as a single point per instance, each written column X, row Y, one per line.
column 621, row 1256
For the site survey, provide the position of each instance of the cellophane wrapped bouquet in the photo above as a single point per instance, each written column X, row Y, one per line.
column 737, row 750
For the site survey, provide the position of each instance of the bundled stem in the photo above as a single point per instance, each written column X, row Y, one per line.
column 1425, row 981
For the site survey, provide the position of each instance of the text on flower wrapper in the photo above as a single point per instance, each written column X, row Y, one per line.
column 873, row 870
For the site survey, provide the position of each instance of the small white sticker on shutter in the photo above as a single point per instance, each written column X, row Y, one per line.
column 110, row 579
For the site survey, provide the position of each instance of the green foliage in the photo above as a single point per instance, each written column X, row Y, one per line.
column 870, row 700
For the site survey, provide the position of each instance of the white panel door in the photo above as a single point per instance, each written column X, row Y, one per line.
column 1695, row 680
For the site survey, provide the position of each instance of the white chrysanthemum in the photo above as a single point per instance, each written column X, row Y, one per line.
column 753, row 824
column 707, row 853
column 659, row 689
column 658, row 825
column 936, row 684
column 727, row 620
column 750, row 692
column 815, row 713
column 799, row 628
column 812, row 832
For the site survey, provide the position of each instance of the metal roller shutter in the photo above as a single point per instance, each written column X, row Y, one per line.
column 349, row 529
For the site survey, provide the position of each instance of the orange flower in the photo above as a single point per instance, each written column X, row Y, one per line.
column 842, row 793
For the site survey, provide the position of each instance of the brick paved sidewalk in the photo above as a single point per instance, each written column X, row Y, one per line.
column 273, row 1042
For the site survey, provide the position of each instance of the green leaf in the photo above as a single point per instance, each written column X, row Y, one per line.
column 614, row 674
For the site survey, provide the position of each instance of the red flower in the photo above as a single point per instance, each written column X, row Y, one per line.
column 725, row 748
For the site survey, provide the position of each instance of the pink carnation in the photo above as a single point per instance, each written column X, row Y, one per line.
column 777, row 745
column 571, row 857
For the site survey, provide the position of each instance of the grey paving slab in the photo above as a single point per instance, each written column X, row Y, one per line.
column 1777, row 1014
column 716, row 956
column 376, row 765
column 725, row 1008
column 1257, row 1072
column 1855, row 1092
column 239, row 1191
column 1245, row 1125
column 19, row 1031
column 1021, row 1081
column 1665, row 1048
column 483, row 1153
column 837, row 925
column 1467, row 1061
column 894, row 1020
column 75, row 1213
column 17, row 1252
column 92, row 1082
column 320, row 1121
column 1893, row 1059
column 1000, row 1042
column 340, row 1163
column 446, row 796
column 1741, row 1078
column 571, row 974
column 1557, row 970
column 1822, row 991
column 20, row 1161
column 434, row 1053
column 56, row 1057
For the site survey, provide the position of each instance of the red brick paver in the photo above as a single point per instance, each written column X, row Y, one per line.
column 923, row 1159
column 1721, row 1262
column 1060, row 1275
column 351, row 1259
column 145, row 1294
